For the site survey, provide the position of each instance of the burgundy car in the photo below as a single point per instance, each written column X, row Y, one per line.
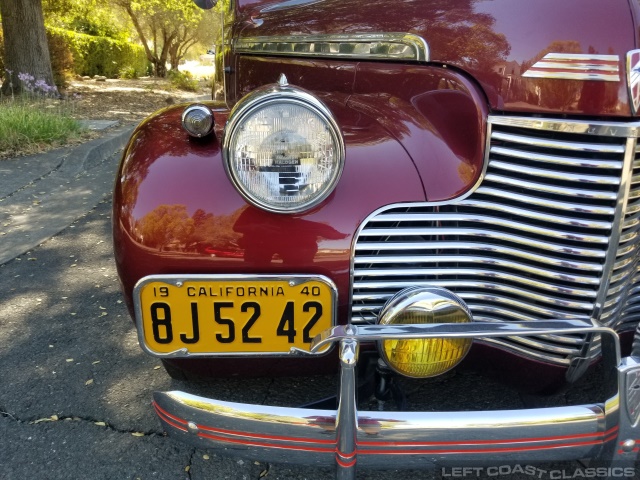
column 397, row 186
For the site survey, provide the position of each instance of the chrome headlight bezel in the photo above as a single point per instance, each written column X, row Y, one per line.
column 278, row 95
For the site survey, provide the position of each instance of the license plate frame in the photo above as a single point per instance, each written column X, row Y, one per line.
column 186, row 288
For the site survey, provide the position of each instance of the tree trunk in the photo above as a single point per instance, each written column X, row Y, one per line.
column 26, row 51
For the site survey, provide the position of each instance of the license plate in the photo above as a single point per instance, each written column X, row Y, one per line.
column 232, row 315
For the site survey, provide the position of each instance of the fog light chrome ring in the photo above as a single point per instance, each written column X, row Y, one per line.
column 422, row 358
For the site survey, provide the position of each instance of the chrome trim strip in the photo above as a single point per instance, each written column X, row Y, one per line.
column 602, row 240
column 495, row 262
column 570, row 161
column 486, row 247
column 287, row 4
column 528, row 352
column 574, row 146
column 538, row 298
column 361, row 46
column 530, row 200
column 539, row 172
column 487, row 297
column 569, row 192
column 486, row 273
column 480, row 218
column 610, row 129
column 571, row 66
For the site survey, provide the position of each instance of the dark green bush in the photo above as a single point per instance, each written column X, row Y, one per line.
column 101, row 55
column 61, row 57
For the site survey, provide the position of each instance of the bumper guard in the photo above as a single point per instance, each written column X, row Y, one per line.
column 346, row 437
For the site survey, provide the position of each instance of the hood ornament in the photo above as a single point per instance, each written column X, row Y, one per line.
column 633, row 79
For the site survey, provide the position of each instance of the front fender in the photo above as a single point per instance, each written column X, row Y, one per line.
column 175, row 210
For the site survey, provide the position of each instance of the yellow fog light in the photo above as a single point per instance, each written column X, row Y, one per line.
column 421, row 358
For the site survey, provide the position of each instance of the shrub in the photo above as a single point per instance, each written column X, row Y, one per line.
column 62, row 63
column 128, row 72
column 183, row 80
column 102, row 55
column 73, row 52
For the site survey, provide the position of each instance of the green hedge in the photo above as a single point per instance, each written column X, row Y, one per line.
column 100, row 55
column 77, row 53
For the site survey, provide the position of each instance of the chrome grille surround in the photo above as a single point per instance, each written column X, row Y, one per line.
column 551, row 231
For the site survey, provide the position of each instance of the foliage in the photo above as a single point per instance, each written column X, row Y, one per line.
column 166, row 28
column 165, row 225
column 62, row 63
column 128, row 72
column 86, row 16
column 183, row 80
column 101, row 55
column 28, row 121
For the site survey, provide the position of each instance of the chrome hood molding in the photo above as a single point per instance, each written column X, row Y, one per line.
column 360, row 46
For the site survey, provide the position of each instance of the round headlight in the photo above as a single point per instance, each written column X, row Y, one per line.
column 420, row 357
column 283, row 150
column 197, row 120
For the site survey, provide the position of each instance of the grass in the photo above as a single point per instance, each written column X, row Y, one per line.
column 29, row 125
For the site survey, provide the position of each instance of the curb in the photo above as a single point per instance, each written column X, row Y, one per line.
column 71, row 182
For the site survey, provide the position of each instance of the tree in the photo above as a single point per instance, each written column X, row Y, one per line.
column 26, row 51
column 165, row 27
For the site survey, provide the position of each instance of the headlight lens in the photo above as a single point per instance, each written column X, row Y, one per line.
column 283, row 150
column 421, row 358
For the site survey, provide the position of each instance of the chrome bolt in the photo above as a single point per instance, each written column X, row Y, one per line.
column 192, row 427
column 179, row 284
column 292, row 283
column 628, row 445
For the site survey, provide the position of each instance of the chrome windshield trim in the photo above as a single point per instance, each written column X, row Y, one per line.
column 360, row 46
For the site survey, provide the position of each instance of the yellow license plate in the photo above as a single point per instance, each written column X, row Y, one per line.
column 187, row 316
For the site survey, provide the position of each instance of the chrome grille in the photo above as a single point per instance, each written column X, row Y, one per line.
column 532, row 242
column 622, row 307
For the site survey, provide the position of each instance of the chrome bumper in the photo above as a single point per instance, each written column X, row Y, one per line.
column 346, row 437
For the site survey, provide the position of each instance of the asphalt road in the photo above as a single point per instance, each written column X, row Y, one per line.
column 75, row 387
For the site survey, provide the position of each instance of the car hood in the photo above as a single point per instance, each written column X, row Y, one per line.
column 527, row 56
